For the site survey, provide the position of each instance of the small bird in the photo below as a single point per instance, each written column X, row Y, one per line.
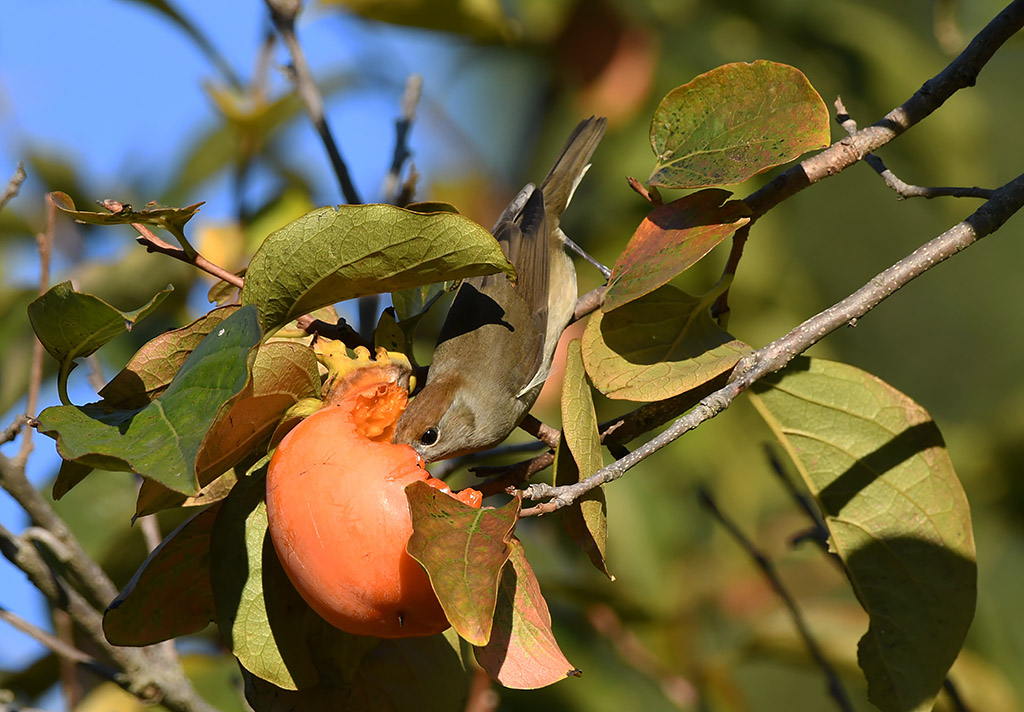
column 496, row 346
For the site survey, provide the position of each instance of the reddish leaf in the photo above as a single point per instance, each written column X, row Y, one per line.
column 522, row 653
column 734, row 122
column 463, row 550
column 170, row 594
column 670, row 240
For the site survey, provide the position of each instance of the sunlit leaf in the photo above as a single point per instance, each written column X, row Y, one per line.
column 522, row 653
column 282, row 373
column 170, row 594
column 898, row 518
column 161, row 440
column 671, row 239
column 579, row 456
column 463, row 550
column 734, row 122
column 154, row 366
column 658, row 346
column 74, row 325
column 168, row 218
column 259, row 613
column 333, row 254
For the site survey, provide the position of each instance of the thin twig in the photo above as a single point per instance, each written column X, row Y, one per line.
column 1005, row 201
column 12, row 430
column 962, row 72
column 44, row 246
column 504, row 479
column 340, row 331
column 283, row 13
column 542, row 431
column 903, row 189
column 63, row 649
column 589, row 302
column 403, row 125
column 13, row 185
column 148, row 239
column 835, row 687
column 444, row 468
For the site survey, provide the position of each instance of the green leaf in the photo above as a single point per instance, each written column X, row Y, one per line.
column 463, row 550
column 877, row 465
column 69, row 475
column 413, row 302
column 171, row 219
column 658, row 346
column 670, row 240
column 483, row 20
column 579, row 456
column 170, row 594
column 734, row 122
column 282, row 373
column 161, row 440
column 154, row 366
column 259, row 613
column 333, row 254
column 74, row 325
column 522, row 653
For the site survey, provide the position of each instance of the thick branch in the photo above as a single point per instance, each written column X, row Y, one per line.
column 1005, row 201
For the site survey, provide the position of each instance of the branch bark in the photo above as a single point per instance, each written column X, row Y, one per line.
column 1005, row 201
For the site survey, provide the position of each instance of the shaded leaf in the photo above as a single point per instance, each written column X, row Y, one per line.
column 282, row 373
column 388, row 335
column 658, row 346
column 154, row 497
column 154, row 366
column 74, row 325
column 171, row 219
column 671, row 239
column 161, row 440
column 522, row 653
column 69, row 475
column 415, row 301
column 259, row 613
column 734, row 122
column 463, row 550
column 359, row 673
column 579, row 456
column 898, row 517
column 170, row 594
column 332, row 254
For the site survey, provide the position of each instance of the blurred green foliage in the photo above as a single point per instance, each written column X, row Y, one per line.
column 688, row 623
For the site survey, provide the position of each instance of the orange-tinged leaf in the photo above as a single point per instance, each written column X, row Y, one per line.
column 670, row 240
column 734, row 122
column 463, row 550
column 170, row 594
column 522, row 653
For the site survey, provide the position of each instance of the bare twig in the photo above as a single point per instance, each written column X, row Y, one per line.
column 341, row 331
column 1005, row 201
column 960, row 73
column 12, row 430
column 654, row 198
column 589, row 302
column 283, row 13
column 148, row 239
column 403, row 125
column 13, row 185
column 502, row 479
column 543, row 432
column 903, row 189
column 835, row 687
column 63, row 649
column 443, row 468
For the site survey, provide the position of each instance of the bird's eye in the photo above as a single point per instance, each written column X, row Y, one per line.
column 429, row 436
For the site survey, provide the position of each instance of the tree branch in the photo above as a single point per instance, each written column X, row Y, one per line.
column 13, row 185
column 960, row 73
column 1005, row 201
column 283, row 13
column 395, row 192
column 835, row 687
column 903, row 189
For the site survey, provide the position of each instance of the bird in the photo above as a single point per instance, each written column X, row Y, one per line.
column 495, row 348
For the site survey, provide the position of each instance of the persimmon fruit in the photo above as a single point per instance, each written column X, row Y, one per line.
column 337, row 511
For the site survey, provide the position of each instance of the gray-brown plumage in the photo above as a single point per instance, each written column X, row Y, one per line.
column 498, row 340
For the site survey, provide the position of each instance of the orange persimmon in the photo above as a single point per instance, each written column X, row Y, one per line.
column 337, row 510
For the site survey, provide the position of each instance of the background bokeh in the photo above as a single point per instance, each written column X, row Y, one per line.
column 114, row 98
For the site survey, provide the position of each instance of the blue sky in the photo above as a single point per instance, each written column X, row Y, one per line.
column 112, row 86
